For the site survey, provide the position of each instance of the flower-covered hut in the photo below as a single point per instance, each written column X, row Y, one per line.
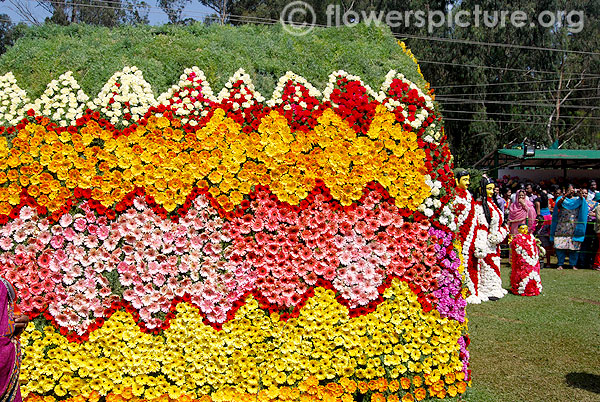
column 224, row 247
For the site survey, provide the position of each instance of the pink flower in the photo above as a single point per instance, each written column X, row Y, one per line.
column 26, row 213
column 6, row 243
column 65, row 220
column 69, row 234
column 159, row 280
column 90, row 217
column 92, row 229
column 80, row 224
column 44, row 260
column 57, row 241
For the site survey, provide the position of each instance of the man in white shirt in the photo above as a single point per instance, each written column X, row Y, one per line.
column 592, row 190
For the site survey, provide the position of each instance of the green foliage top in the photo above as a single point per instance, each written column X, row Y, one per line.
column 94, row 54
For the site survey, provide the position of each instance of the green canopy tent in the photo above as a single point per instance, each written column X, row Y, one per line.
column 564, row 159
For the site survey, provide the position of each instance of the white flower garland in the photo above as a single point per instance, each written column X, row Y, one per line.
column 295, row 80
column 340, row 74
column 251, row 94
column 490, row 283
column 128, row 87
column 432, row 135
column 531, row 256
column 533, row 276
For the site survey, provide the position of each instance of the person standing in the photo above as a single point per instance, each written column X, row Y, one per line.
column 589, row 245
column 506, row 196
column 569, row 221
column 592, row 191
column 596, row 264
column 11, row 327
column 501, row 202
column 521, row 212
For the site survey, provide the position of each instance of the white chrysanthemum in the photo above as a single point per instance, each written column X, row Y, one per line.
column 186, row 87
column 295, row 79
column 63, row 100
column 129, row 93
column 247, row 86
column 12, row 100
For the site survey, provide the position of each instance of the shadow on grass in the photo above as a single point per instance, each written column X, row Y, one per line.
column 585, row 381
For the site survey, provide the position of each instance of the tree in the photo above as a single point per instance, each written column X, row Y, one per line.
column 97, row 12
column 173, row 9
column 9, row 32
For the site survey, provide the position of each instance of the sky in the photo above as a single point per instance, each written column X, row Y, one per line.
column 157, row 17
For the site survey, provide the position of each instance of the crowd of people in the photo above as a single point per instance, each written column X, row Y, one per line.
column 565, row 216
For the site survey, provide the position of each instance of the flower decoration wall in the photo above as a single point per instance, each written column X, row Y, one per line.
column 223, row 247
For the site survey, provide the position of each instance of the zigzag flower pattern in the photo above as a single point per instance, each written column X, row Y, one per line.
column 227, row 247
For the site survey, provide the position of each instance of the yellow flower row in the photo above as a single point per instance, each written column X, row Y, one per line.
column 168, row 163
column 309, row 390
column 253, row 351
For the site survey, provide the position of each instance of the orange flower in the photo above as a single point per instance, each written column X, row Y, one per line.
column 405, row 383
column 377, row 397
column 452, row 391
column 420, row 394
column 43, row 200
column 335, row 389
column 394, row 386
column 418, row 381
column 393, row 398
column 450, row 378
column 5, row 208
column 461, row 387
column 408, row 398
column 362, row 387
column 349, row 385
column 383, row 384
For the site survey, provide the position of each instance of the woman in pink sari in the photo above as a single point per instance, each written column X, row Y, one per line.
column 10, row 349
column 521, row 212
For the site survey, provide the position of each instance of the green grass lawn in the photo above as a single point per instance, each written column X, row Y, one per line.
column 543, row 348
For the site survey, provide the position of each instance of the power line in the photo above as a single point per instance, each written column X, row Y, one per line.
column 497, row 84
column 459, row 100
column 511, row 122
column 525, row 92
column 505, row 68
column 497, row 44
column 455, row 96
column 444, row 111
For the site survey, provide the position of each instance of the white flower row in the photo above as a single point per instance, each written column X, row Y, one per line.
column 128, row 92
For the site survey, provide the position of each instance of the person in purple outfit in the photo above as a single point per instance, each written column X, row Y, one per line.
column 11, row 326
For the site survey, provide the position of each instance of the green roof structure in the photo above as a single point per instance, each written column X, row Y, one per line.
column 542, row 159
